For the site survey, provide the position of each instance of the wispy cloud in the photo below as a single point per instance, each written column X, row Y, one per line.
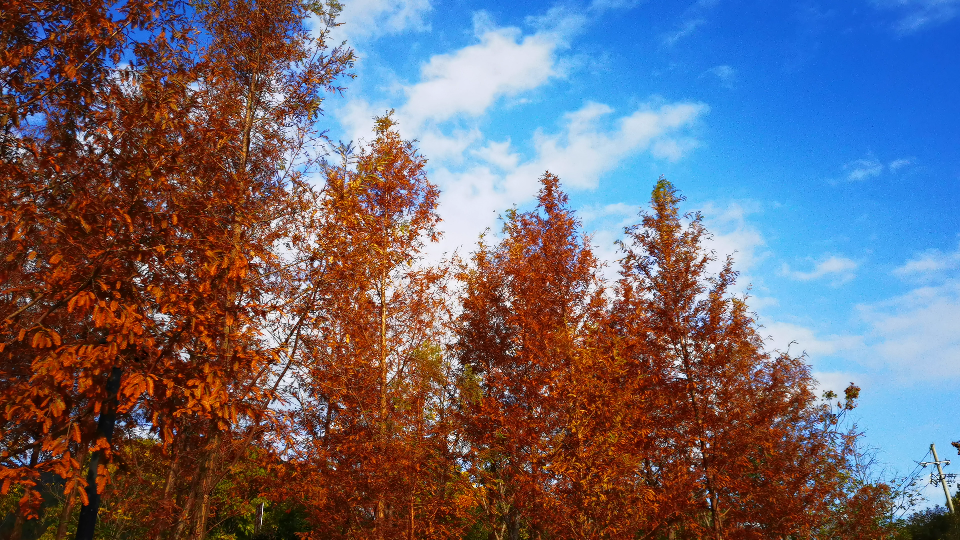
column 930, row 263
column 627, row 212
column 734, row 235
column 798, row 338
column 465, row 84
column 468, row 81
column 588, row 145
column 584, row 149
column 898, row 164
column 917, row 334
column 444, row 109
column 686, row 28
column 363, row 20
column 871, row 167
column 725, row 74
column 916, row 15
column 604, row 5
column 909, row 338
column 839, row 269
column 863, row 169
column 693, row 18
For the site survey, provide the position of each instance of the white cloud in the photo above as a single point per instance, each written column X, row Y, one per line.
column 898, row 164
column 733, row 235
column 470, row 80
column 928, row 263
column 356, row 118
column 369, row 19
column 604, row 5
column 499, row 155
column 560, row 21
column 685, row 29
column 725, row 74
column 871, row 167
column 479, row 177
column 583, row 150
column 917, row 335
column 863, row 169
column 783, row 336
column 693, row 17
column 622, row 210
column 910, row 338
column 839, row 268
column 438, row 146
column 916, row 15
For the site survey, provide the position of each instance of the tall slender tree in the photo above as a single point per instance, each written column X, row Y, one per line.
column 740, row 453
column 371, row 375
column 526, row 307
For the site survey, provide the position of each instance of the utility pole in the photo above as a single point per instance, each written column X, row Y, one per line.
column 940, row 477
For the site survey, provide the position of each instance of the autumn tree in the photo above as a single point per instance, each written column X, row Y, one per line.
column 371, row 442
column 741, row 451
column 71, row 312
column 144, row 205
column 526, row 307
column 259, row 85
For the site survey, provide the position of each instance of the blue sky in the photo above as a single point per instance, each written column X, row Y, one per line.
column 821, row 141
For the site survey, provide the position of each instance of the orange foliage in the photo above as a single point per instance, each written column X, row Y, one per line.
column 293, row 343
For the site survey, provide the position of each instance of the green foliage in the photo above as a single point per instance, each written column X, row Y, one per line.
column 931, row 524
column 285, row 521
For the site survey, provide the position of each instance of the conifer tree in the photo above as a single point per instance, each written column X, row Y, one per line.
column 740, row 451
column 373, row 448
column 527, row 305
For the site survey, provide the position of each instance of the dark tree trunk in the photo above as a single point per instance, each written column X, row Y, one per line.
column 108, row 415
column 68, row 504
column 18, row 522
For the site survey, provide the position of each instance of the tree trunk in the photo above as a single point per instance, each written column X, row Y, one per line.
column 71, row 499
column 200, row 527
column 186, row 510
column 701, row 443
column 513, row 525
column 18, row 522
column 382, row 435
column 411, row 518
column 87, row 523
column 171, row 480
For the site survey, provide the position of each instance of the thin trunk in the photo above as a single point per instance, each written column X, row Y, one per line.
column 411, row 517
column 171, row 480
column 71, row 500
column 18, row 522
column 205, row 487
column 87, row 523
column 186, row 512
column 381, row 502
column 416, row 459
column 701, row 443
column 204, row 509
column 248, row 123
column 258, row 520
column 513, row 525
